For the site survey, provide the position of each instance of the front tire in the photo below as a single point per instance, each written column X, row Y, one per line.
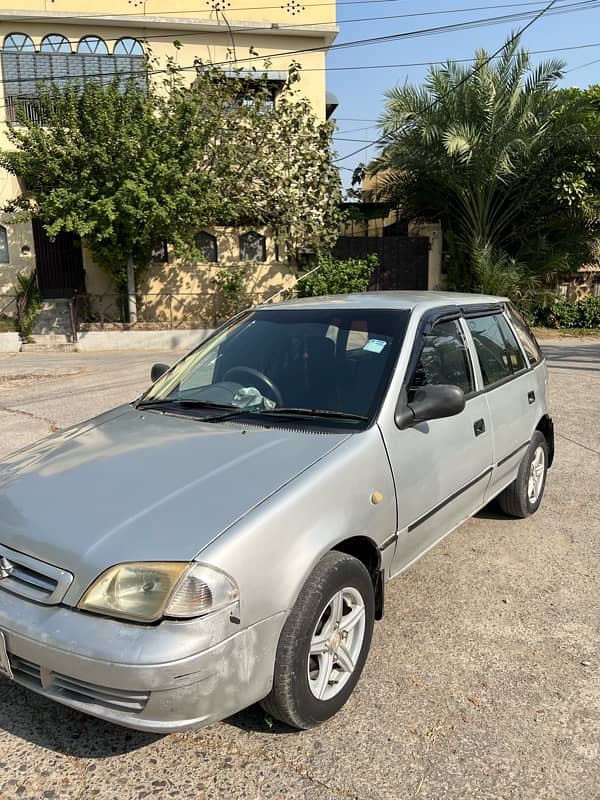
column 324, row 643
column 524, row 495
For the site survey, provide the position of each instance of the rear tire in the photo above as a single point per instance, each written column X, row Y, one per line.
column 524, row 495
column 324, row 643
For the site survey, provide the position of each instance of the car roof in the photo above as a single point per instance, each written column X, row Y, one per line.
column 402, row 300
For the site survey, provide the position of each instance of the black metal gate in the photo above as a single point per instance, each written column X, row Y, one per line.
column 402, row 259
column 59, row 263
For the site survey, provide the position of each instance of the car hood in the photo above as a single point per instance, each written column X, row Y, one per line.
column 135, row 485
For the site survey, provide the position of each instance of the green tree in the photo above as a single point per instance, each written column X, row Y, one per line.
column 126, row 168
column 336, row 276
column 489, row 150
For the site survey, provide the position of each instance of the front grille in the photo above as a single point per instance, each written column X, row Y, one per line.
column 26, row 576
column 58, row 686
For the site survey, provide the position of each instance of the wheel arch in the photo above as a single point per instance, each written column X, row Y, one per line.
column 366, row 551
column 546, row 427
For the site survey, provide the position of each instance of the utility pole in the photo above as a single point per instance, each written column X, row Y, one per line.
column 131, row 299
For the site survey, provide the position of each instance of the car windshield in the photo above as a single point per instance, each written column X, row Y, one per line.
column 330, row 363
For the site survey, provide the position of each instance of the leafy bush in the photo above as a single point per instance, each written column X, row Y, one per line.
column 29, row 300
column 563, row 313
column 232, row 292
column 497, row 273
column 333, row 276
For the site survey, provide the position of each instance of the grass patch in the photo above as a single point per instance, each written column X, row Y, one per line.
column 8, row 325
column 569, row 333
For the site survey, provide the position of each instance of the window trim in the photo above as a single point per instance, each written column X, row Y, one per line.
column 428, row 331
column 447, row 313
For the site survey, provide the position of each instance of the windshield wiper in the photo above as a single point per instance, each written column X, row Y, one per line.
column 188, row 404
column 314, row 412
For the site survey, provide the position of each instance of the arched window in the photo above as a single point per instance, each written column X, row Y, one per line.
column 55, row 43
column 4, row 254
column 207, row 246
column 19, row 42
column 92, row 45
column 253, row 247
column 128, row 47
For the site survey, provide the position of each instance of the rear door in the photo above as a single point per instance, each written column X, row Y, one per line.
column 442, row 467
column 511, row 390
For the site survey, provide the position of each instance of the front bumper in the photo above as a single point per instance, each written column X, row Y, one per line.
column 163, row 678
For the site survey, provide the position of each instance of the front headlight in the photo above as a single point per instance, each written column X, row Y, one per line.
column 150, row 590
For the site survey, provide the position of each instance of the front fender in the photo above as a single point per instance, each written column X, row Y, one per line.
column 273, row 549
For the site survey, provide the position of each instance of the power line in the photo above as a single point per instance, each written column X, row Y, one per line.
column 580, row 5
column 148, row 37
column 473, row 72
column 581, row 66
column 432, row 63
column 177, row 35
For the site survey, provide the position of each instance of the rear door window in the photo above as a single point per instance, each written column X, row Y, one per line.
column 499, row 354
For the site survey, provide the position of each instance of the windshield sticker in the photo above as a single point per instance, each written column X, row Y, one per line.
column 375, row 345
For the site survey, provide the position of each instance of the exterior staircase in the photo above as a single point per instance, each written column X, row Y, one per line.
column 52, row 329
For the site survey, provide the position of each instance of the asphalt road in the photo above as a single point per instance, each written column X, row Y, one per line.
column 484, row 676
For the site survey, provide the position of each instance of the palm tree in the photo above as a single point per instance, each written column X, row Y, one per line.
column 476, row 147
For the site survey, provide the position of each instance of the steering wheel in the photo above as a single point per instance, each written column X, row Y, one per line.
column 233, row 374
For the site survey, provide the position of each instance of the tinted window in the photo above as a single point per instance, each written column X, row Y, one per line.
column 303, row 353
column 514, row 352
column 444, row 359
column 524, row 335
column 497, row 349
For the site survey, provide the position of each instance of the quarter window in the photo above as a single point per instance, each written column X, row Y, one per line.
column 497, row 349
column 524, row 335
column 444, row 359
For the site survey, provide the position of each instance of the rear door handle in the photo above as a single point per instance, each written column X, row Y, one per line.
column 479, row 427
column 531, row 398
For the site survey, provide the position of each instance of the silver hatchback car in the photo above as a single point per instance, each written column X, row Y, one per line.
column 226, row 538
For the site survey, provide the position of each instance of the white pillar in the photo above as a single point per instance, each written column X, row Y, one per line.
column 131, row 298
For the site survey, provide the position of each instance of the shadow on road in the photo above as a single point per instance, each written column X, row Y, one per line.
column 256, row 720
column 55, row 727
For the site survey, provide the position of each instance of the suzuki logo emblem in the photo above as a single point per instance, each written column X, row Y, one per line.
column 6, row 568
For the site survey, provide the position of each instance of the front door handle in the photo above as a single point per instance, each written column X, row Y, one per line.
column 531, row 398
column 479, row 427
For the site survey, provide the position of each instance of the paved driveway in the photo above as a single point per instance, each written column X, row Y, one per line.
column 483, row 680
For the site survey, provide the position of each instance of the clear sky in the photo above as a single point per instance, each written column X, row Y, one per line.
column 361, row 91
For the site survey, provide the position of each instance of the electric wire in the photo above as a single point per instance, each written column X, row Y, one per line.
column 367, row 41
column 516, row 36
column 177, row 35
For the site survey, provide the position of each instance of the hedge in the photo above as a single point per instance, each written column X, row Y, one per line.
column 570, row 314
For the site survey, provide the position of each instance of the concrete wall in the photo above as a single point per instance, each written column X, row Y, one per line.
column 10, row 342
column 91, row 341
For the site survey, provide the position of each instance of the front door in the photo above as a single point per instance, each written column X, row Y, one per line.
column 441, row 467
column 59, row 263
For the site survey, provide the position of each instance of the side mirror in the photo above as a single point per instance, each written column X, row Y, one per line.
column 429, row 402
column 158, row 370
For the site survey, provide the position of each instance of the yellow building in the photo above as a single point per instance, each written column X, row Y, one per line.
column 64, row 39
